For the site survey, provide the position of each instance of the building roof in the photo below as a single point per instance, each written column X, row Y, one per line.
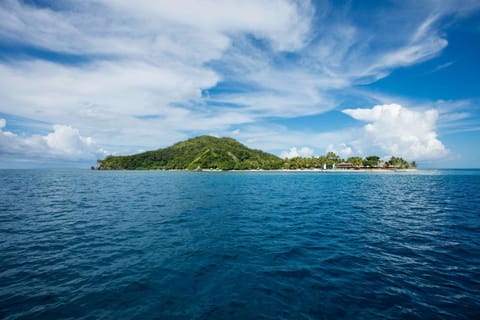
column 344, row 165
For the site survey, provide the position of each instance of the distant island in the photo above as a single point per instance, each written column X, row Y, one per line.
column 211, row 153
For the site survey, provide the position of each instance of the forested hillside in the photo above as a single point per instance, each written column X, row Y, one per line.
column 205, row 152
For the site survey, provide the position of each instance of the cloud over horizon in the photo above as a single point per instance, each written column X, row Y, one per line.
column 64, row 142
column 399, row 131
column 305, row 152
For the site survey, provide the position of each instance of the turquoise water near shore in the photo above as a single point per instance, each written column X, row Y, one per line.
column 239, row 245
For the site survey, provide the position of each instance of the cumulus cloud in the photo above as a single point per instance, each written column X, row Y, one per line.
column 346, row 151
column 293, row 152
column 64, row 142
column 399, row 131
column 341, row 149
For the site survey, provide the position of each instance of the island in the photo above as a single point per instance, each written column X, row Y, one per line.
column 212, row 153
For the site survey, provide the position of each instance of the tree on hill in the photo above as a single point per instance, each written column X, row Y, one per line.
column 371, row 161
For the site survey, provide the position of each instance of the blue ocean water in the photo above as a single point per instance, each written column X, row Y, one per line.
column 239, row 245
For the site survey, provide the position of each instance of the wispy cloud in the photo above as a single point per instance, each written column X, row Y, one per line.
column 146, row 66
column 442, row 66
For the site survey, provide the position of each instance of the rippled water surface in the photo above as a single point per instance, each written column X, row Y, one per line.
column 239, row 245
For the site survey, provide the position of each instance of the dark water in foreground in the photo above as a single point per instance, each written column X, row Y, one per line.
column 239, row 245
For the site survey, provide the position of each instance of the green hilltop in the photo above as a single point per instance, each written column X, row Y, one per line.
column 207, row 152
column 204, row 152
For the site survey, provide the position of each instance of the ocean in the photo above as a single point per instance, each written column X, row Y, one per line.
column 84, row 244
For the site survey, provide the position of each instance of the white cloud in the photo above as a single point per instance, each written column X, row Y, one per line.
column 156, row 28
column 341, row 149
column 133, row 88
column 145, row 65
column 161, row 49
column 64, row 142
column 143, row 59
column 346, row 151
column 284, row 23
column 400, row 131
column 293, row 152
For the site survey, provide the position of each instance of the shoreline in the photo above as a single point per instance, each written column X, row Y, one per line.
column 310, row 170
column 279, row 170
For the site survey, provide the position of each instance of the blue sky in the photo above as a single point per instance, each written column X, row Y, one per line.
column 81, row 80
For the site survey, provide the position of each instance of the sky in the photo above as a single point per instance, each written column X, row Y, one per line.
column 80, row 80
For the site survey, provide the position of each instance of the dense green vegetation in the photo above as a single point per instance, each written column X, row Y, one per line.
column 204, row 152
column 331, row 159
column 207, row 152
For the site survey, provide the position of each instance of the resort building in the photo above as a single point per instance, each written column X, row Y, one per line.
column 344, row 165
